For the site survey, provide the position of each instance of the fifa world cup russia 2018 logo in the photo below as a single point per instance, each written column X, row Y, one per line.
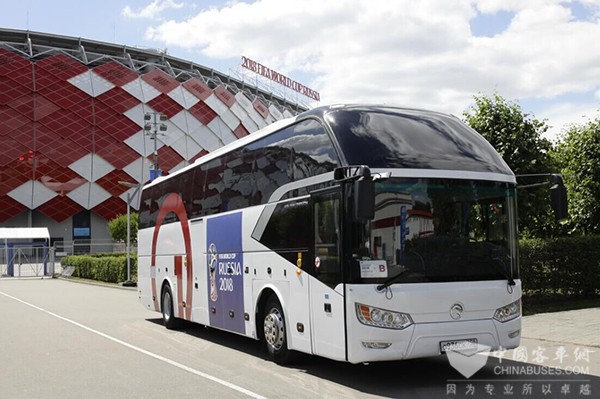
column 212, row 270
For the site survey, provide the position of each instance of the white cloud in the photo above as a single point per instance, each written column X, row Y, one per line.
column 561, row 116
column 152, row 10
column 404, row 52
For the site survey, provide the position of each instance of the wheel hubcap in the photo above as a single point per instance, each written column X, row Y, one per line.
column 274, row 329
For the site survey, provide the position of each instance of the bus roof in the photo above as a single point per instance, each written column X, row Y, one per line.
column 397, row 137
column 387, row 137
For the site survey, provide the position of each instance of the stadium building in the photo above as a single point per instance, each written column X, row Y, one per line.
column 81, row 128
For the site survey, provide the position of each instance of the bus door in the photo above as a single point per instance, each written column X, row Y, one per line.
column 326, row 291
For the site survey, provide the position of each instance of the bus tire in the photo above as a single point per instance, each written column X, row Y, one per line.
column 274, row 332
column 166, row 307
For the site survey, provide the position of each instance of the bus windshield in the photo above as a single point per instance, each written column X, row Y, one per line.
column 437, row 230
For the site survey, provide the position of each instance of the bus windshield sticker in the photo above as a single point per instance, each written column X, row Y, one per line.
column 373, row 269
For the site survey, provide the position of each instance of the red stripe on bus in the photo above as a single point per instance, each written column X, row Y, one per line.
column 178, row 261
column 173, row 203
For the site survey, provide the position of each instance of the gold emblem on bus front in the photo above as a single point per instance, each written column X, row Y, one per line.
column 456, row 311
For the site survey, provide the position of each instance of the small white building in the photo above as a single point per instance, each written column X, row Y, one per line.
column 24, row 251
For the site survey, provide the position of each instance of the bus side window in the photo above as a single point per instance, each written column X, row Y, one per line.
column 288, row 232
column 326, row 235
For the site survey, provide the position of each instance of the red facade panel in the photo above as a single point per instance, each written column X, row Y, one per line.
column 203, row 112
column 117, row 125
column 13, row 175
column 111, row 208
column 60, row 209
column 26, row 164
column 160, row 81
column 110, row 182
column 23, row 76
column 33, row 106
column 118, row 99
column 41, row 135
column 261, row 108
column 101, row 139
column 198, row 155
column 167, row 158
column 62, row 151
column 9, row 208
column 116, row 73
column 61, row 66
column 65, row 95
column 165, row 105
column 225, row 95
column 10, row 62
column 25, row 136
column 9, row 90
column 10, row 120
column 117, row 154
column 43, row 78
column 47, row 124
column 57, row 178
column 198, row 88
column 10, row 149
column 68, row 125
column 240, row 131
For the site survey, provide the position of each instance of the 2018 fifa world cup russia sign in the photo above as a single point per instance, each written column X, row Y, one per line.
column 279, row 78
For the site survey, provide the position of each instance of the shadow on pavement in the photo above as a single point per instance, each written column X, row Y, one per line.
column 423, row 378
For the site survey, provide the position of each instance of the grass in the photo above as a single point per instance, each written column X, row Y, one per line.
column 533, row 305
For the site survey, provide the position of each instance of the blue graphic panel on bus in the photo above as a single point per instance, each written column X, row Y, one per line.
column 225, row 272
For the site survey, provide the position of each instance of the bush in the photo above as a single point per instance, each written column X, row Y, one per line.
column 560, row 267
column 553, row 267
column 111, row 268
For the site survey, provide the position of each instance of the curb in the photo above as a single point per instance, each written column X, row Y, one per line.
column 97, row 283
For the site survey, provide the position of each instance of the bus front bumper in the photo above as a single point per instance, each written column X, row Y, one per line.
column 371, row 344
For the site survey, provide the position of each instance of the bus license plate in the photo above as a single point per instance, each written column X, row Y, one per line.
column 459, row 345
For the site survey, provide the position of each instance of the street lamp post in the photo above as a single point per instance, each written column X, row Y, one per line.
column 154, row 123
column 130, row 197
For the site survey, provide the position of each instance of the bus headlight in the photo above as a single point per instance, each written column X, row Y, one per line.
column 377, row 317
column 508, row 312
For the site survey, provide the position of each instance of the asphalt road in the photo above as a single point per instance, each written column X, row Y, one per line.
column 61, row 339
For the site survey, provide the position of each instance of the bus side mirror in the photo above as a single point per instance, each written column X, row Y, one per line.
column 558, row 198
column 364, row 199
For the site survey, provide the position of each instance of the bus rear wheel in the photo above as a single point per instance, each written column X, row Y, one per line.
column 166, row 307
column 274, row 332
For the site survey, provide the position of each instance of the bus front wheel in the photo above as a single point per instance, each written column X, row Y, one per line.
column 275, row 332
column 168, row 315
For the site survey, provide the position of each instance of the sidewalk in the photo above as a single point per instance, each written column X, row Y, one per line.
column 568, row 340
column 577, row 327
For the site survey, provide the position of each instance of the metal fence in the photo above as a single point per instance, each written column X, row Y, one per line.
column 39, row 261
column 84, row 247
column 26, row 261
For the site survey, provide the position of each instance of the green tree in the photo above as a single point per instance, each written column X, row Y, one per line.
column 517, row 137
column 578, row 154
column 118, row 228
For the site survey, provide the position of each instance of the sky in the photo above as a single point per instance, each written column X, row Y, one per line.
column 432, row 54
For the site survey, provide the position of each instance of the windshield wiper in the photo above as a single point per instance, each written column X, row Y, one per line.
column 391, row 280
column 503, row 270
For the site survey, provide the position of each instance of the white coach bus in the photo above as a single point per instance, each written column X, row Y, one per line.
column 356, row 233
